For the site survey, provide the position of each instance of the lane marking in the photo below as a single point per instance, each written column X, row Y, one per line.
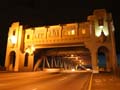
column 90, row 83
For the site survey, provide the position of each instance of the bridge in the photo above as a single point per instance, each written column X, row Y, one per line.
column 64, row 46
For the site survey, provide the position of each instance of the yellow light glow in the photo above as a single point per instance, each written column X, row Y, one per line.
column 106, row 32
column 76, row 58
column 88, row 69
column 83, row 31
column 82, row 63
column 69, row 33
column 72, row 55
column 98, row 32
column 30, row 49
column 33, row 48
column 101, row 27
column 73, row 32
column 13, row 39
column 73, row 69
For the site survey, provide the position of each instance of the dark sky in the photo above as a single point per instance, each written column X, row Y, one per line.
column 50, row 12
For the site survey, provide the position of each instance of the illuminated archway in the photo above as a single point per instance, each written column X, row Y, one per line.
column 104, row 62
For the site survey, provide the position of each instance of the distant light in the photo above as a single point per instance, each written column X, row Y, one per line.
column 73, row 69
column 88, row 69
column 72, row 55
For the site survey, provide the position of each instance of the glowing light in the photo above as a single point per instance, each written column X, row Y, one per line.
column 106, row 32
column 82, row 63
column 33, row 48
column 13, row 39
column 30, row 49
column 88, row 69
column 73, row 32
column 72, row 55
column 101, row 27
column 73, row 69
column 83, row 31
column 76, row 58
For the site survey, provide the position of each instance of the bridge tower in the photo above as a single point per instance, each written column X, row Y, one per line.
column 102, row 40
column 15, row 54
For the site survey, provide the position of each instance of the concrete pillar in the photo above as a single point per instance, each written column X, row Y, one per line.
column 52, row 63
column 94, row 62
column 16, row 68
column 7, row 60
column 30, row 62
column 108, row 63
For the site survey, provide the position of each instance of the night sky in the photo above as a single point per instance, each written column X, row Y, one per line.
column 51, row 12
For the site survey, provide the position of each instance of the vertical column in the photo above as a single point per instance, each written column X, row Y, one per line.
column 7, row 60
column 94, row 62
column 30, row 62
column 16, row 68
column 52, row 62
column 108, row 63
column 113, row 48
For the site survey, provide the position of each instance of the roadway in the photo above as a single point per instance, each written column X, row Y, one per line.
column 44, row 81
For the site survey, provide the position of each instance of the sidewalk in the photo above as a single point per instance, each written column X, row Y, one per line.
column 105, row 81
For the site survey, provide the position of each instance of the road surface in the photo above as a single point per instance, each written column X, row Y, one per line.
column 44, row 81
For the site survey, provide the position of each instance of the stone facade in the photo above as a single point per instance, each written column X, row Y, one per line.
column 96, row 34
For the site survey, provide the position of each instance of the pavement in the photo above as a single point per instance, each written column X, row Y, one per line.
column 105, row 81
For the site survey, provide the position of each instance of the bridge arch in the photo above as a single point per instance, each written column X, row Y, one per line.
column 103, row 56
column 12, row 59
column 26, row 59
column 63, row 57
